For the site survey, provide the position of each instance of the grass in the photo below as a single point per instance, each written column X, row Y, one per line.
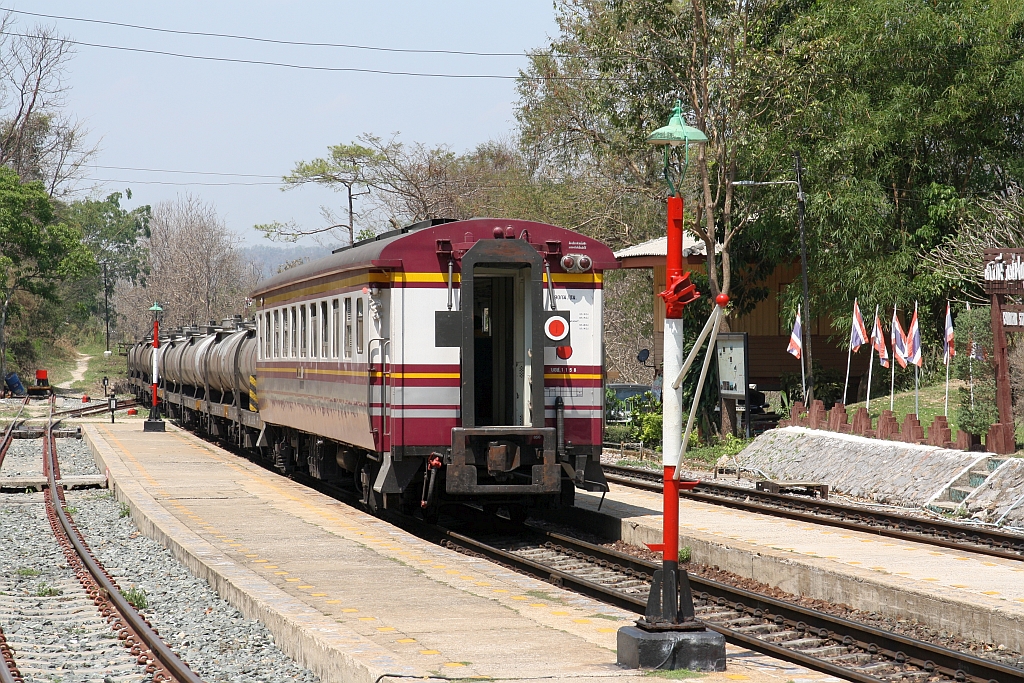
column 28, row 571
column 47, row 591
column 932, row 400
column 674, row 674
column 136, row 597
column 70, row 510
column 125, row 511
column 100, row 366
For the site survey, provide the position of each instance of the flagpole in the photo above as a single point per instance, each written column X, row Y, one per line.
column 945, row 411
column 892, row 382
column 849, row 353
column 803, row 372
column 917, row 402
column 871, row 358
column 970, row 362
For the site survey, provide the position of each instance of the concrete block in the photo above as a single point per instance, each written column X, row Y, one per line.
column 693, row 650
column 153, row 426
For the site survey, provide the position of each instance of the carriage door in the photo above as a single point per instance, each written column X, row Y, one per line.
column 379, row 379
column 500, row 339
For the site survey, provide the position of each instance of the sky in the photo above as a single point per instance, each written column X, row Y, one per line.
column 148, row 111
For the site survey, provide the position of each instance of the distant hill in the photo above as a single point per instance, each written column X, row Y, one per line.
column 268, row 257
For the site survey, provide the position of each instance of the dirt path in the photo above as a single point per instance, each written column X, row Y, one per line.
column 78, row 374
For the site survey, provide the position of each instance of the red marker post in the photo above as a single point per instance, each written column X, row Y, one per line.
column 154, row 423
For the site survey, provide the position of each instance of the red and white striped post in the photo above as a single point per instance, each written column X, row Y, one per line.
column 153, row 423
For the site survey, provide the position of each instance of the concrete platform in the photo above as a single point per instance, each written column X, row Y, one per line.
column 353, row 598
column 975, row 595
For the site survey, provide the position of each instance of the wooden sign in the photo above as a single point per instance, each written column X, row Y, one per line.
column 1013, row 318
column 1004, row 271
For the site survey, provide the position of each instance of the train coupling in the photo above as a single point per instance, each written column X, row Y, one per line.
column 502, row 460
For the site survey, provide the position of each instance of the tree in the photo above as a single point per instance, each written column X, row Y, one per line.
column 194, row 269
column 918, row 125
column 608, row 81
column 38, row 140
column 347, row 168
column 36, row 253
column 114, row 236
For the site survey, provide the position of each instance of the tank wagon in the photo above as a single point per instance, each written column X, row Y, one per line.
column 449, row 361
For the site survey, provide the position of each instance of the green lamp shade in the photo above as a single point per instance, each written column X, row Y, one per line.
column 676, row 132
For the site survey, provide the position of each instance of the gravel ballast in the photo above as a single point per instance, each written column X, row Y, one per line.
column 216, row 640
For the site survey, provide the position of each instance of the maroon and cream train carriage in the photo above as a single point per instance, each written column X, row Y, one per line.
column 447, row 361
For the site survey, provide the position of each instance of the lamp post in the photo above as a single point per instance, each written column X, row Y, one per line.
column 669, row 636
column 801, row 199
column 154, row 423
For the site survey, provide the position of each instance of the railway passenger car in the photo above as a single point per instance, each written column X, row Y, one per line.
column 449, row 361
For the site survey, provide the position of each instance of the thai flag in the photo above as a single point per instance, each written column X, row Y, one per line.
column 914, row 342
column 899, row 342
column 858, row 333
column 878, row 343
column 948, row 349
column 796, row 340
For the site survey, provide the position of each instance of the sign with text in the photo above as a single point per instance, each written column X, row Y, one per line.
column 1013, row 318
column 1004, row 271
column 731, row 349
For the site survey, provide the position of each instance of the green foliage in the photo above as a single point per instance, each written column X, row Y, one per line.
column 44, row 590
column 36, row 252
column 136, row 597
column 28, row 572
column 124, row 510
column 685, row 554
column 616, row 433
column 976, row 410
column 912, row 118
column 114, row 236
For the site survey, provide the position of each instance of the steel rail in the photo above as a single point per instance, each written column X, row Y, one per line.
column 88, row 410
column 9, row 672
column 8, row 436
column 131, row 626
column 891, row 524
column 900, row 649
column 887, row 642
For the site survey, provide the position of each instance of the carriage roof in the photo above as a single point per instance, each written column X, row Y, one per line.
column 416, row 248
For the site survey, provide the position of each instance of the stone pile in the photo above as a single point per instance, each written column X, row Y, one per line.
column 886, row 471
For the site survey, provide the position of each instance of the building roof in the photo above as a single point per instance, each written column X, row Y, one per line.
column 692, row 246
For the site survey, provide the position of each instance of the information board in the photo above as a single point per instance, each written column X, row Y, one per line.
column 731, row 350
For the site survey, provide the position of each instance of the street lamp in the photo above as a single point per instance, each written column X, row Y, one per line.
column 154, row 423
column 669, row 636
column 801, row 199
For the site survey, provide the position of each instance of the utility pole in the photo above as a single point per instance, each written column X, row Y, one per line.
column 800, row 200
column 106, row 306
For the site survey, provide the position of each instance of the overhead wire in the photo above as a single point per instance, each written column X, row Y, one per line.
column 274, row 41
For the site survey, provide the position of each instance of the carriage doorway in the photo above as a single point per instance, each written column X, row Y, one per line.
column 501, row 336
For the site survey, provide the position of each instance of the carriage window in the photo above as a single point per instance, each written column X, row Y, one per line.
column 303, row 332
column 259, row 336
column 359, row 325
column 324, row 329
column 348, row 327
column 277, row 334
column 293, row 321
column 336, row 330
column 314, row 331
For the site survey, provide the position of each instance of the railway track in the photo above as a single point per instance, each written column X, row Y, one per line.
column 791, row 632
column 96, row 591
column 95, row 409
column 941, row 533
column 814, row 639
column 8, row 435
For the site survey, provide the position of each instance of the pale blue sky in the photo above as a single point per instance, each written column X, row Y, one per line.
column 168, row 113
